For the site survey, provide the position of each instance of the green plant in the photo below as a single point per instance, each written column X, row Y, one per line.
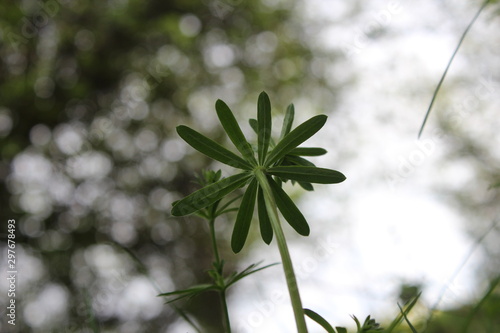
column 274, row 164
column 220, row 284
column 370, row 325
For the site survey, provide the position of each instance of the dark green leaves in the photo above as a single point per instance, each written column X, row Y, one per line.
column 282, row 160
column 245, row 213
column 308, row 174
column 234, row 132
column 209, row 194
column 288, row 209
column 211, row 149
column 264, row 126
column 266, row 231
column 295, row 138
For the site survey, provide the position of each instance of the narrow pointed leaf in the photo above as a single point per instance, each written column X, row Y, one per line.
column 244, row 217
column 209, row 194
column 341, row 329
column 247, row 271
column 300, row 134
column 288, row 209
column 406, row 309
column 233, row 131
column 297, row 160
column 407, row 320
column 308, row 151
column 211, row 148
column 308, row 174
column 320, row 320
column 264, row 125
column 266, row 230
column 254, row 125
column 190, row 292
column 287, row 121
column 306, row 186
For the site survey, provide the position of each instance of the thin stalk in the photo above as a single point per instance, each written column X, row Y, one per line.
column 291, row 280
column 471, row 23
column 227, row 323
column 211, row 222
column 218, row 267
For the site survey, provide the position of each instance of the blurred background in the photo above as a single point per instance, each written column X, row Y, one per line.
column 90, row 163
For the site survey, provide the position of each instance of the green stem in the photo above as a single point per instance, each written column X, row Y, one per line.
column 214, row 241
column 219, row 267
column 227, row 323
column 291, row 281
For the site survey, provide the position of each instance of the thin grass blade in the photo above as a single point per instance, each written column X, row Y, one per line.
column 244, row 217
column 308, row 174
column 209, row 194
column 234, row 132
column 300, row 134
column 264, row 126
column 211, row 148
column 288, row 209
column 399, row 318
column 407, row 320
column 436, row 91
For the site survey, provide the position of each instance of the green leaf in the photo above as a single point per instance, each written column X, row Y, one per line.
column 341, row 329
column 264, row 125
column 308, row 151
column 244, row 217
column 400, row 317
column 320, row 320
column 300, row 134
column 211, row 148
column 209, row 194
column 254, row 125
column 308, row 174
column 234, row 132
column 407, row 320
column 288, row 209
column 266, row 230
column 306, row 186
column 358, row 324
column 297, row 160
column 247, row 271
column 287, row 121
column 224, row 208
column 190, row 292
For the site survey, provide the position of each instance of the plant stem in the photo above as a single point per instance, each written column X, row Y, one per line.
column 291, row 281
column 219, row 267
column 211, row 223
column 227, row 323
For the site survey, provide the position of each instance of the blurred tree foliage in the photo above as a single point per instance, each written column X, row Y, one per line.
column 90, row 94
